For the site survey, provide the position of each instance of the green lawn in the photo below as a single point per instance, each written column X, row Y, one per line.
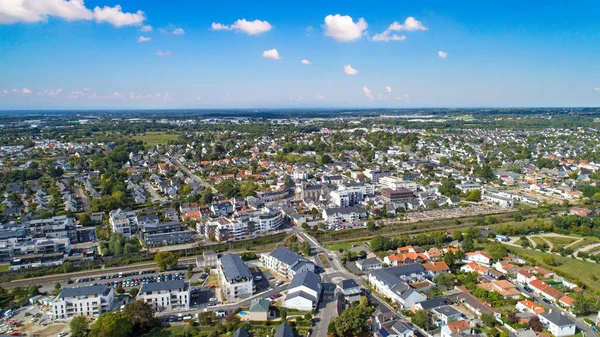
column 178, row 330
column 151, row 139
column 586, row 240
column 3, row 268
column 538, row 240
column 324, row 261
column 344, row 245
column 558, row 241
column 571, row 268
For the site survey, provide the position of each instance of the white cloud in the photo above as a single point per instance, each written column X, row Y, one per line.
column 272, row 54
column 172, row 29
column 142, row 38
column 146, row 28
column 368, row 93
column 387, row 36
column 163, row 53
column 4, row 91
column 343, row 28
column 320, row 97
column 26, row 91
column 442, row 54
column 308, row 30
column 305, row 61
column 52, row 93
column 178, row 31
column 116, row 17
column 595, row 89
column 410, row 24
column 403, row 96
column 16, row 90
column 349, row 70
column 388, row 89
column 77, row 94
column 255, row 27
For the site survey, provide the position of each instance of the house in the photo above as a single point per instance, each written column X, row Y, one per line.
column 460, row 327
column 259, row 310
column 529, row 306
column 343, row 214
column 446, row 314
column 403, row 258
column 524, row 276
column 166, row 296
column 583, row 212
column 566, row 301
column 303, row 291
column 209, row 259
column 86, row 301
column 235, row 277
column 368, row 264
column 473, row 303
column 479, row 257
column 397, row 329
column 286, row 262
column 434, row 268
column 557, row 323
column 431, row 304
column 284, row 330
column 125, row 222
column 350, row 290
column 241, row 332
column 502, row 287
column 474, row 267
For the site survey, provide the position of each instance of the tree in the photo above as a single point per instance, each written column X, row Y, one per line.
column 165, row 260
column 305, row 248
column 133, row 292
column 549, row 259
column 304, row 226
column 536, row 324
column 141, row 315
column 377, row 244
column 116, row 243
column 474, row 195
column 207, row 318
column 57, row 286
column 444, row 280
column 497, row 251
column 112, row 324
column 450, row 259
column 582, row 305
column 371, row 225
column 85, row 220
column 352, row 322
column 79, row 326
column 468, row 243
column 207, row 196
column 422, row 318
column 488, row 319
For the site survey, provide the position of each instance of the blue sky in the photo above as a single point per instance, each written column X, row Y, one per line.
column 58, row 54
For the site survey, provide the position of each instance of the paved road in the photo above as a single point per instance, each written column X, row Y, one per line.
column 191, row 174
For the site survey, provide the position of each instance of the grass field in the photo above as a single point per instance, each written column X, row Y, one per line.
column 179, row 330
column 572, row 268
column 324, row 261
column 212, row 279
column 344, row 245
column 3, row 268
column 151, row 139
column 538, row 240
column 558, row 241
column 586, row 241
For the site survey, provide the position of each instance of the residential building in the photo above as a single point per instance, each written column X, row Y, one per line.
column 445, row 314
column 479, row 257
column 502, row 287
column 400, row 194
column 557, row 323
column 350, row 290
column 166, row 233
column 57, row 227
column 259, row 310
column 284, row 330
column 348, row 195
column 368, row 264
column 397, row 329
column 124, row 222
column 456, row 328
column 166, row 296
column 235, row 277
column 286, row 262
column 343, row 214
column 209, row 259
column 390, row 282
column 86, row 301
column 304, row 291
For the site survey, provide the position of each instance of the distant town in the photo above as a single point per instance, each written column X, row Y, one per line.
column 391, row 223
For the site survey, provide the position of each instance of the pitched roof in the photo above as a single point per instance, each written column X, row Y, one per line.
column 259, row 305
column 553, row 292
column 536, row 308
column 286, row 256
column 436, row 266
column 306, row 278
column 479, row 253
column 433, row 303
column 241, row 332
column 234, row 268
column 284, row 330
column 540, row 285
column 347, row 284
column 458, row 326
column 557, row 318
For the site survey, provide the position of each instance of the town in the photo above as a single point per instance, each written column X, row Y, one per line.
column 413, row 223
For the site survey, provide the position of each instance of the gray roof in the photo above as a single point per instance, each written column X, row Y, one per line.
column 284, row 330
column 160, row 286
column 407, row 269
column 386, row 278
column 347, row 284
column 446, row 310
column 307, row 279
column 84, row 291
column 369, row 262
column 234, row 268
column 259, row 305
column 344, row 210
column 286, row 256
column 241, row 332
column 433, row 303
column 301, row 294
column 557, row 318
column 400, row 327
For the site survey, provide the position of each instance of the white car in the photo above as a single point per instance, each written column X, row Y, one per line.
column 212, row 299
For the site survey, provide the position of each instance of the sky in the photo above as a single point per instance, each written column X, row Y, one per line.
column 124, row 54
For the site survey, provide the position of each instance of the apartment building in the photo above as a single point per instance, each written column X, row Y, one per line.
column 235, row 277
column 396, row 195
column 86, row 301
column 57, row 227
column 166, row 296
column 286, row 262
column 347, row 195
column 304, row 291
column 125, row 222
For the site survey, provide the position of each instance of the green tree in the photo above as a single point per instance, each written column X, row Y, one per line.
column 79, row 326
column 468, row 244
column 112, row 324
column 474, row 195
column 497, row 251
column 207, row 318
column 445, row 280
column 422, row 318
column 165, row 260
column 85, row 220
column 549, row 259
column 489, row 320
column 305, row 248
column 352, row 322
column 141, row 315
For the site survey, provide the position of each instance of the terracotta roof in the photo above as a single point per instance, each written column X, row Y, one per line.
column 566, row 300
column 436, row 266
column 458, row 326
column 553, row 292
column 534, row 307
column 538, row 285
column 479, row 253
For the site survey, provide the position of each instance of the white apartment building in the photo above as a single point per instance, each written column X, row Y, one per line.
column 235, row 277
column 286, row 262
column 395, row 183
column 166, row 296
column 348, row 195
column 86, row 301
column 242, row 225
column 125, row 222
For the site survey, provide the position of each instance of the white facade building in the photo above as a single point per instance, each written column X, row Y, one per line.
column 125, row 222
column 86, row 301
column 166, row 296
column 235, row 277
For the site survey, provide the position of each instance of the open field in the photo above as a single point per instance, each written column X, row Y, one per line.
column 538, row 240
column 151, row 139
column 588, row 240
column 571, row 268
column 344, row 245
column 3, row 268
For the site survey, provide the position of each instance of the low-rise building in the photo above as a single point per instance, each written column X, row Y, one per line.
column 368, row 264
column 166, row 296
column 304, row 291
column 286, row 262
column 86, row 301
column 557, row 323
column 258, row 310
column 235, row 277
